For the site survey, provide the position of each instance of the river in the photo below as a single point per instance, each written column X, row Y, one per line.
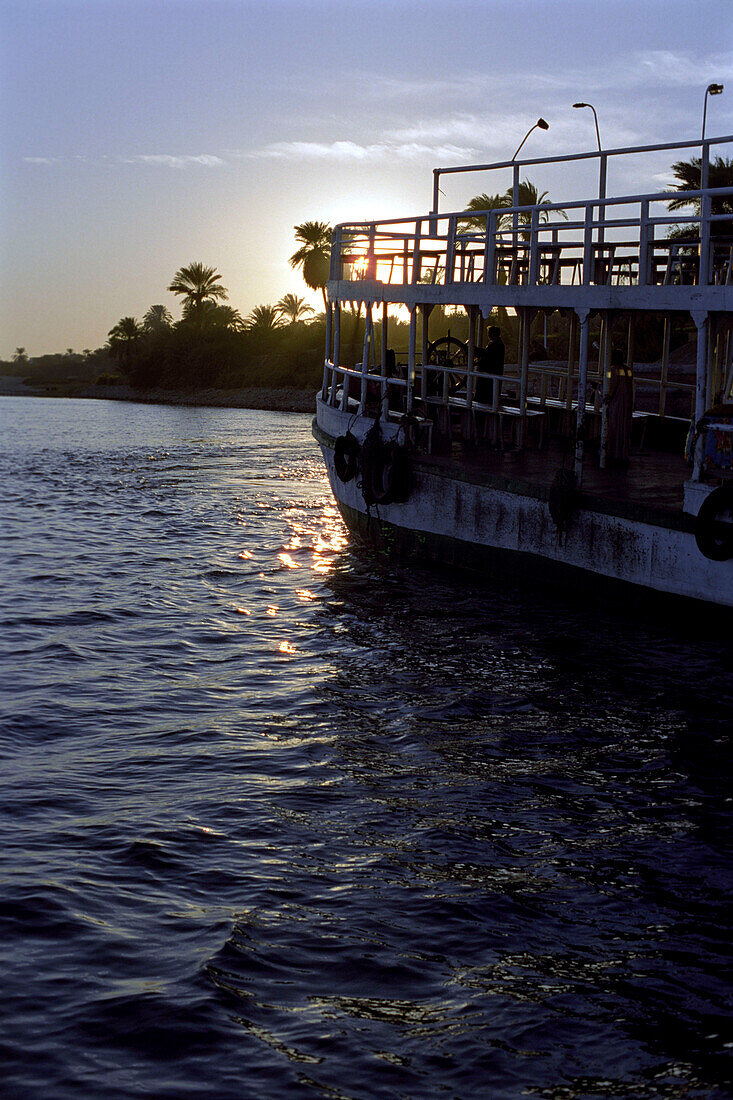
column 278, row 820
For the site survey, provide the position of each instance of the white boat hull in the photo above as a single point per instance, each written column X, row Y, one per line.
column 455, row 519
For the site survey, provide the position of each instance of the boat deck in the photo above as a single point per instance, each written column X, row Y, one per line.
column 650, row 489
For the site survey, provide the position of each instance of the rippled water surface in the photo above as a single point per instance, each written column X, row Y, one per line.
column 280, row 821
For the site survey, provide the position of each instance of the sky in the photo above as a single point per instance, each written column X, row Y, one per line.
column 136, row 137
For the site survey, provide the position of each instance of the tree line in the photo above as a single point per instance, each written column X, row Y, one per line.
column 213, row 345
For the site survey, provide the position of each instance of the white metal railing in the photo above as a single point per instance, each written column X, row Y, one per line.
column 589, row 246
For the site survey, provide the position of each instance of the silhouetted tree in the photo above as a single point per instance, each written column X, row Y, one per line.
column 293, row 308
column 688, row 174
column 314, row 255
column 528, row 194
column 484, row 202
column 197, row 284
column 20, row 356
column 210, row 315
column 263, row 320
column 157, row 319
column 124, row 338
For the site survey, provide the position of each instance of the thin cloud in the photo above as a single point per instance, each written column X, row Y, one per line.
column 346, row 151
column 650, row 68
column 166, row 160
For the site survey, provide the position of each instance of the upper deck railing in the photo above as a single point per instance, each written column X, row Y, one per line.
column 596, row 242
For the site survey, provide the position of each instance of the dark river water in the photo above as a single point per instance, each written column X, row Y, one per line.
column 280, row 821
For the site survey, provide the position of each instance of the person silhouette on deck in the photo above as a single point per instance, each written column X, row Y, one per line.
column 620, row 402
column 490, row 361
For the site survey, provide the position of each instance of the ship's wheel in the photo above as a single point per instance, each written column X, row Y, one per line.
column 449, row 352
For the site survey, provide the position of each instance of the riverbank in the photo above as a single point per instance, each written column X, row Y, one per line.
column 287, row 399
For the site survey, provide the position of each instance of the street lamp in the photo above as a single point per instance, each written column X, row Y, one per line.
column 712, row 89
column 595, row 116
column 539, row 123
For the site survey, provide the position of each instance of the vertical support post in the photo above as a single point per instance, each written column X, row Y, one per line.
column 711, row 363
column 524, row 374
column 425, row 312
column 604, row 362
column 603, row 358
column 411, row 360
column 327, row 357
column 336, row 351
column 583, row 317
column 665, row 364
column 365, row 357
column 630, row 349
column 572, row 336
column 385, row 387
column 471, row 354
column 701, row 321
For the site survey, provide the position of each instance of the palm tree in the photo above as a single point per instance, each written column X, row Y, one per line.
column 263, row 320
column 20, row 356
column 157, row 318
column 688, row 173
column 484, row 202
column 293, row 308
column 197, row 284
column 124, row 337
column 211, row 315
column 314, row 255
column 528, row 194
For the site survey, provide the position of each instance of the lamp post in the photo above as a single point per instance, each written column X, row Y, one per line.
column 712, row 89
column 539, row 123
column 595, row 116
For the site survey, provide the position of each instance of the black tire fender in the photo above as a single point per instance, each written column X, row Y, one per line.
column 714, row 525
column 346, row 457
column 390, row 477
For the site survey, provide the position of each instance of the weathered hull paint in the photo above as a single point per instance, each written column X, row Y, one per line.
column 459, row 522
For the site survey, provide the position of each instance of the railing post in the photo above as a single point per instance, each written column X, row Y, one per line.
column 371, row 268
column 490, row 249
column 534, row 251
column 416, row 258
column 450, row 252
column 602, row 175
column 588, row 245
column 646, row 237
column 436, row 190
column 335, row 271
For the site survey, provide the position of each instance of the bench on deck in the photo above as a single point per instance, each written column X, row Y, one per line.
column 495, row 420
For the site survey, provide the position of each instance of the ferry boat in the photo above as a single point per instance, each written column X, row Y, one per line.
column 584, row 463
